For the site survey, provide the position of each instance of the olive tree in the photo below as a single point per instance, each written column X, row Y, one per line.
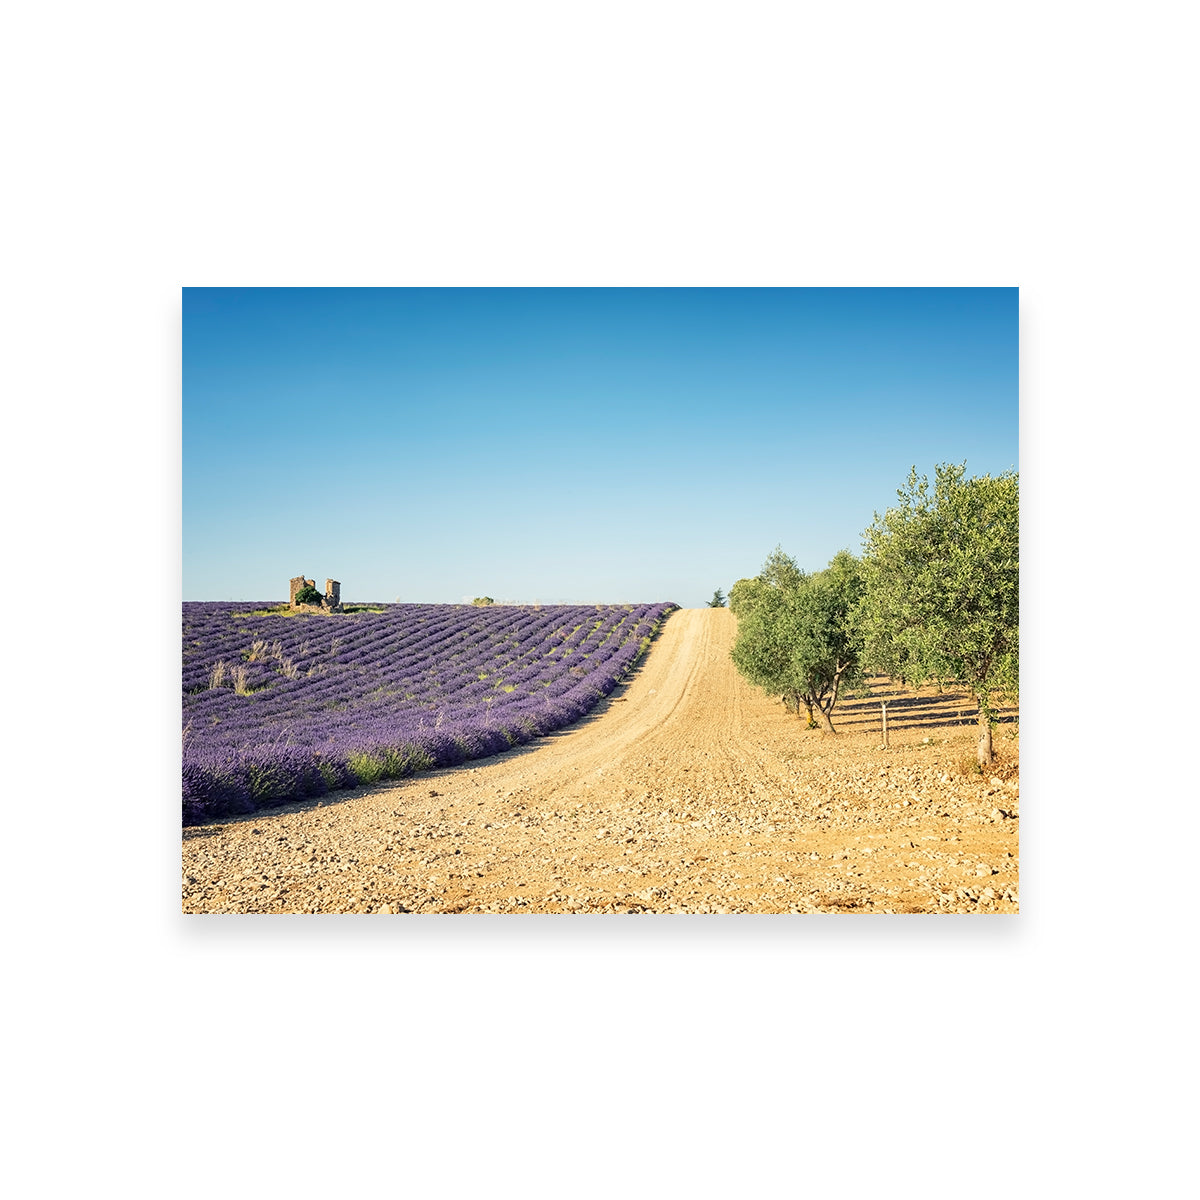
column 941, row 587
column 795, row 636
column 744, row 594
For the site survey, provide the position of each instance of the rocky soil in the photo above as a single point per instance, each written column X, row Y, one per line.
column 686, row 791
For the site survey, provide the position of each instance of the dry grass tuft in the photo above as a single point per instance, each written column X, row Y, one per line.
column 1004, row 766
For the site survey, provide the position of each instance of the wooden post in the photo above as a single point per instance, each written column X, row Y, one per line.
column 883, row 706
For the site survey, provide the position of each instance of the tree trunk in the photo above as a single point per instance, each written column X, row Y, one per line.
column 826, row 723
column 807, row 705
column 985, row 739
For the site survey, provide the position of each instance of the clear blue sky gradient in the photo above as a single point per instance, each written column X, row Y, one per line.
column 570, row 445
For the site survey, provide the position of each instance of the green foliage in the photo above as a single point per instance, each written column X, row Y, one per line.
column 393, row 762
column 367, row 768
column 781, row 572
column 718, row 599
column 744, row 594
column 267, row 782
column 941, row 583
column 795, row 634
column 399, row 761
column 308, row 595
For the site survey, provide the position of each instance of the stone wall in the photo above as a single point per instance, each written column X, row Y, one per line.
column 297, row 586
column 330, row 602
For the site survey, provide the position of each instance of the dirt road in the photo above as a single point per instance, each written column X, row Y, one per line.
column 685, row 791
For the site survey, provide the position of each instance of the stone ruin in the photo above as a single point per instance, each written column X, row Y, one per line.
column 330, row 602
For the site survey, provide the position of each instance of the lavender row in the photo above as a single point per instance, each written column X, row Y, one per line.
column 284, row 707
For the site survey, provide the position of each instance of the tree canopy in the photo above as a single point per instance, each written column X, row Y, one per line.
column 941, row 594
column 795, row 637
column 744, row 594
column 718, row 599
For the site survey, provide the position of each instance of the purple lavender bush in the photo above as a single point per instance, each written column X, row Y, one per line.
column 279, row 708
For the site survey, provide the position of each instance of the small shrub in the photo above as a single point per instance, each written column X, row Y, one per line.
column 365, row 767
column 482, row 601
column 308, row 595
column 968, row 765
column 399, row 761
column 267, row 782
column 1002, row 767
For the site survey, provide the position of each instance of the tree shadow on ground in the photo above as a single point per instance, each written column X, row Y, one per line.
column 913, row 708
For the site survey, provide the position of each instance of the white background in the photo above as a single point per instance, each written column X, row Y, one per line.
column 151, row 146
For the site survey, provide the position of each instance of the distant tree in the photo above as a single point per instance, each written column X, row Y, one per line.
column 744, row 593
column 718, row 599
column 482, row 601
column 780, row 571
column 941, row 575
column 795, row 634
column 308, row 595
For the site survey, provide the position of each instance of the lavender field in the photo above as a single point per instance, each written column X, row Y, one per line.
column 279, row 708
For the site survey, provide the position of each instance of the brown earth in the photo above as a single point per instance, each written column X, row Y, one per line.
column 685, row 791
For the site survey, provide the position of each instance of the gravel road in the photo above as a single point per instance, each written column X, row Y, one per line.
column 685, row 791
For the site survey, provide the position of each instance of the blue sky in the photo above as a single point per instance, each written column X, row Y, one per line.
column 569, row 445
